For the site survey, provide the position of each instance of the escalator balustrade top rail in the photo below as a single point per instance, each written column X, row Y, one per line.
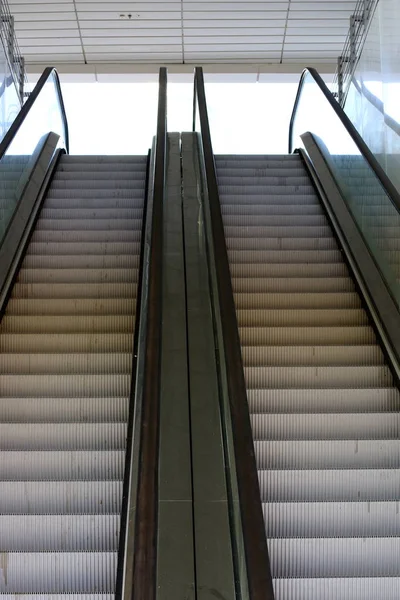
column 258, row 574
column 145, row 544
column 48, row 74
column 380, row 174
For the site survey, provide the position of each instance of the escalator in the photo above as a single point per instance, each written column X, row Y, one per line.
column 306, row 297
column 66, row 342
column 321, row 397
column 76, row 234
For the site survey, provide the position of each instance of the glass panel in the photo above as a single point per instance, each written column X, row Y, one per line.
column 372, row 102
column 9, row 100
column 19, row 159
column 372, row 209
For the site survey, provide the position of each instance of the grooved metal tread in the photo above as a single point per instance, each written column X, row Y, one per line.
column 323, row 406
column 66, row 343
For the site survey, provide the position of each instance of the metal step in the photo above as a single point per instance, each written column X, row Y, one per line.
column 297, row 300
column 316, row 269
column 279, row 198
column 69, row 306
column 272, row 209
column 60, row 572
column 335, row 557
column 311, row 355
column 50, row 364
column 323, row 406
column 282, row 257
column 78, row 275
column 330, row 519
column 96, row 225
column 100, row 260
column 56, row 437
column 281, row 244
column 301, row 318
column 54, row 497
column 292, row 284
column 66, row 343
column 346, row 588
column 74, row 290
column 63, row 410
column 338, row 400
column 317, row 377
column 59, row 533
column 326, row 426
column 69, row 324
column 329, row 484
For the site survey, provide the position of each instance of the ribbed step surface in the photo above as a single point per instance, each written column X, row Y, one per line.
column 324, row 412
column 66, row 345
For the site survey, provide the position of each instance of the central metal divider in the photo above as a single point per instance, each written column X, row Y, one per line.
column 194, row 545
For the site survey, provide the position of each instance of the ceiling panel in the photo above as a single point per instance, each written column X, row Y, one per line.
column 181, row 31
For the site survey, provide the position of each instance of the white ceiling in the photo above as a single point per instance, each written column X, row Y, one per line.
column 92, row 32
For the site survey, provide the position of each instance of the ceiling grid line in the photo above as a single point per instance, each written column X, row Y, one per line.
column 80, row 33
column 182, row 32
column 285, row 30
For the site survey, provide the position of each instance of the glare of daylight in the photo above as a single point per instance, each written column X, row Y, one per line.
column 120, row 118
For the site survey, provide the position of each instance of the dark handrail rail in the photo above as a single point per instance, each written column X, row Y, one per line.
column 380, row 174
column 145, row 545
column 255, row 544
column 124, row 519
column 23, row 113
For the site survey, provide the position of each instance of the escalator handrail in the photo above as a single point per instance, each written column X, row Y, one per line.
column 254, row 540
column 145, row 544
column 23, row 113
column 380, row 174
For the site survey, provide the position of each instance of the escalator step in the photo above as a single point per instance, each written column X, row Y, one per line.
column 78, row 275
column 326, row 426
column 60, row 533
column 330, row 484
column 56, row 437
column 332, row 588
column 305, row 300
column 335, row 557
column 312, row 336
column 328, row 454
column 66, row 343
column 331, row 519
column 81, row 363
column 317, row 377
column 92, row 261
column 259, row 356
column 60, row 572
column 63, row 410
column 74, row 290
column 71, row 306
column 282, row 257
column 281, row 244
column 70, row 384
column 63, row 465
column 55, row 497
column 292, row 284
column 68, row 324
column 338, row 400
